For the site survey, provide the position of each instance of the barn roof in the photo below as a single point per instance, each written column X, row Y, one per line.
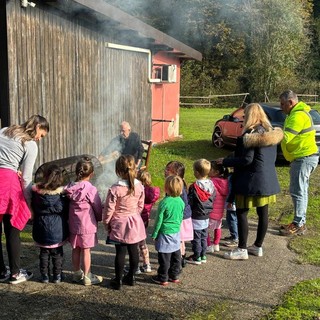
column 131, row 30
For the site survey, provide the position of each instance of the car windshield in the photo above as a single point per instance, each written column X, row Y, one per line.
column 315, row 116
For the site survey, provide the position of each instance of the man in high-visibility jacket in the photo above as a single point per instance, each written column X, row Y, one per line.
column 299, row 147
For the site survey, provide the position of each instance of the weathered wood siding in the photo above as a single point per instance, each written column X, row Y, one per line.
column 60, row 68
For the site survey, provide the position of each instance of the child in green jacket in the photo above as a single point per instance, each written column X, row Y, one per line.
column 167, row 232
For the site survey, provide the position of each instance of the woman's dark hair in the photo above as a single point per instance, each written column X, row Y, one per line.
column 53, row 178
column 84, row 168
column 223, row 171
column 126, row 169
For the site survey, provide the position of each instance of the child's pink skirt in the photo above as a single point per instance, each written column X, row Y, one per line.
column 186, row 231
column 83, row 241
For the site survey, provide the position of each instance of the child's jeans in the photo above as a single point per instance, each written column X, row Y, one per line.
column 199, row 243
column 215, row 227
column 169, row 265
column 232, row 222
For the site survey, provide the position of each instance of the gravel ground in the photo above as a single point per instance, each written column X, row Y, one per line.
column 249, row 288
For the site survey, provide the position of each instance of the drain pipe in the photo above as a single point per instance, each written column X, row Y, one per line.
column 136, row 49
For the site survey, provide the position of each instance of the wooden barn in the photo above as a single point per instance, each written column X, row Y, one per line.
column 86, row 66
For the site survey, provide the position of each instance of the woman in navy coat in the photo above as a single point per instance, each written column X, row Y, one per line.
column 255, row 181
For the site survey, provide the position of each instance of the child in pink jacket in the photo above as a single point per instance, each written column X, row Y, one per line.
column 219, row 177
column 85, row 210
column 152, row 194
column 122, row 219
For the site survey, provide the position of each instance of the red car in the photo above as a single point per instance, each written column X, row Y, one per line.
column 229, row 128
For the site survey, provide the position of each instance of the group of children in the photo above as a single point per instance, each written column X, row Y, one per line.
column 71, row 214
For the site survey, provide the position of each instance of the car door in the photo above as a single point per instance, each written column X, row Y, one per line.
column 234, row 127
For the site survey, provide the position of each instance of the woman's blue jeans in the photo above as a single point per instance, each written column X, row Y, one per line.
column 300, row 171
column 232, row 222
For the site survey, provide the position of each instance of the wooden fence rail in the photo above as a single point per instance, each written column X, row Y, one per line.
column 208, row 100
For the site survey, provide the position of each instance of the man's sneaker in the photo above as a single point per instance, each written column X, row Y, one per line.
column 194, row 260
column 156, row 280
column 127, row 269
column 91, row 279
column 231, row 243
column 146, row 268
column 77, row 276
column 216, row 247
column 256, row 251
column 292, row 229
column 44, row 278
column 228, row 238
column 5, row 275
column 174, row 280
column 22, row 276
column 237, row 254
column 210, row 249
column 203, row 259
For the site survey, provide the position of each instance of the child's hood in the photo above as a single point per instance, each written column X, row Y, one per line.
column 78, row 191
column 48, row 197
column 221, row 185
column 204, row 188
column 35, row 188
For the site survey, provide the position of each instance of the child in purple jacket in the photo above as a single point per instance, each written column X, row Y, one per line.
column 85, row 210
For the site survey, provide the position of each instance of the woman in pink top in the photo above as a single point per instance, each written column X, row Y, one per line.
column 219, row 177
column 85, row 210
column 122, row 218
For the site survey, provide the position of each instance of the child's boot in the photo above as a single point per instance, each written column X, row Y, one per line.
column 183, row 261
column 129, row 279
column 115, row 284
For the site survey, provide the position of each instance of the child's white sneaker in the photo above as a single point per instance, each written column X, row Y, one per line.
column 256, row 251
column 146, row 268
column 127, row 269
column 210, row 249
column 237, row 254
column 22, row 276
column 77, row 276
column 91, row 279
column 216, row 247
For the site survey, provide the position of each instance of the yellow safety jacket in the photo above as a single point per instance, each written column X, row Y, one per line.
column 299, row 133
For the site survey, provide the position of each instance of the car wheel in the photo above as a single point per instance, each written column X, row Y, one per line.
column 217, row 140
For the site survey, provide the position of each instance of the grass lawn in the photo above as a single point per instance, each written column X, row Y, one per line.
column 196, row 128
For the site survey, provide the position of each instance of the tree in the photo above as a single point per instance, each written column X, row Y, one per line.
column 257, row 46
column 277, row 43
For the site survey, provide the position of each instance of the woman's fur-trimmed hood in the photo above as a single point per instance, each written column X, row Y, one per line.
column 35, row 188
column 263, row 139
